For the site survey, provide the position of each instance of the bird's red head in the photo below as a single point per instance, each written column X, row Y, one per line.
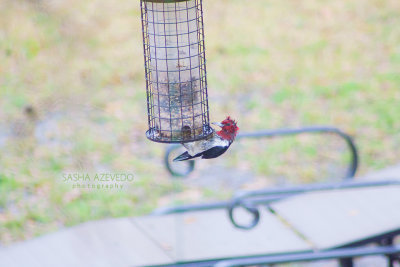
column 229, row 129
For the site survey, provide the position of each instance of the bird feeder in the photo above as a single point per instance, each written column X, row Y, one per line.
column 176, row 84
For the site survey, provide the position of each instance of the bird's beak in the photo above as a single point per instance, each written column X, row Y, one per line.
column 218, row 124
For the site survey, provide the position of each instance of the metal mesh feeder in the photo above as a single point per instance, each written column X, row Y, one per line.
column 176, row 84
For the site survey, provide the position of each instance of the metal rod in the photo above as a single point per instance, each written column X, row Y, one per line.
column 351, row 170
column 194, row 207
column 312, row 256
column 272, row 194
column 312, row 129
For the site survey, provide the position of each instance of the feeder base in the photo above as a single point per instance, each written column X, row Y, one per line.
column 178, row 137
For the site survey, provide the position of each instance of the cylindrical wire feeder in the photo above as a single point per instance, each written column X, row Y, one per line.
column 176, row 83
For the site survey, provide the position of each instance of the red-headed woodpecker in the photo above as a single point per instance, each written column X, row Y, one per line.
column 215, row 145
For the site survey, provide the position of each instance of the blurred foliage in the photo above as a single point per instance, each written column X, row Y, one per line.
column 72, row 99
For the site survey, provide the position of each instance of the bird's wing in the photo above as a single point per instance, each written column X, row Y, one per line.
column 200, row 147
column 214, row 152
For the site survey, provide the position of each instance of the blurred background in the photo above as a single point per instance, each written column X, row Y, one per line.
column 72, row 100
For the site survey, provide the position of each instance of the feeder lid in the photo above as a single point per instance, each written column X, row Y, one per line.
column 165, row 1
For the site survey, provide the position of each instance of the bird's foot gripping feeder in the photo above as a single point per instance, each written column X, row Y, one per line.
column 176, row 84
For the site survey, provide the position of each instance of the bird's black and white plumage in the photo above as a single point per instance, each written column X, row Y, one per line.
column 206, row 149
column 214, row 146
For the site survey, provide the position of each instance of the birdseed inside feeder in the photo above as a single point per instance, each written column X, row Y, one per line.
column 176, row 84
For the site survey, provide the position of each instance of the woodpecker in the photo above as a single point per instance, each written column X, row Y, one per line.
column 215, row 145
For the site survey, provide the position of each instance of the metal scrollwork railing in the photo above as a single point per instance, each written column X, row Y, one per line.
column 250, row 200
column 187, row 167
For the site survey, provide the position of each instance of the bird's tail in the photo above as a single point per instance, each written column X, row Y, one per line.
column 183, row 156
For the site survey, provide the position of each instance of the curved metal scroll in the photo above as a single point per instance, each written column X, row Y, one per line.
column 177, row 173
column 247, row 206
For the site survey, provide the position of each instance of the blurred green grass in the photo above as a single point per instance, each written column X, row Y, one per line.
column 270, row 64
